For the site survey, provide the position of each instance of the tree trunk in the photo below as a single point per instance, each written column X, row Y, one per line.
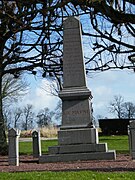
column 3, row 139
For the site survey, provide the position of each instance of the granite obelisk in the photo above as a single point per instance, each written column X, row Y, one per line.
column 76, row 112
column 77, row 138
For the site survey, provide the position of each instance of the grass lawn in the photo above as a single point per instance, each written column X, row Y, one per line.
column 118, row 143
column 80, row 175
column 26, row 147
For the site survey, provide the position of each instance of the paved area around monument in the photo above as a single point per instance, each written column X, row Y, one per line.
column 28, row 164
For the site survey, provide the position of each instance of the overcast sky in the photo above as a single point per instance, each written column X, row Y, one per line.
column 102, row 85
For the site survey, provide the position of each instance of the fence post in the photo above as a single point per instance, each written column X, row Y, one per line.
column 36, row 144
column 13, row 149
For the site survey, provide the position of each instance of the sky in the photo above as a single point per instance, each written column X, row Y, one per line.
column 104, row 86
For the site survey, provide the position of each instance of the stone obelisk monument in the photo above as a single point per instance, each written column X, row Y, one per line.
column 77, row 138
column 76, row 97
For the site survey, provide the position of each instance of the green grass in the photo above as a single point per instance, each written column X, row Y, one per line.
column 47, row 143
column 26, row 147
column 78, row 175
column 118, row 143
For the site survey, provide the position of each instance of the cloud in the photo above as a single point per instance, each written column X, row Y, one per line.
column 40, row 98
column 44, row 99
column 102, row 91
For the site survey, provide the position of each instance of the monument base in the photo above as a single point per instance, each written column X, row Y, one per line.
column 110, row 155
column 78, row 136
column 78, row 144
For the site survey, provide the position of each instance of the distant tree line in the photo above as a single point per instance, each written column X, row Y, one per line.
column 25, row 118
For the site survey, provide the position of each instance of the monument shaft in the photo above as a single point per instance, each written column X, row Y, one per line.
column 73, row 63
column 75, row 96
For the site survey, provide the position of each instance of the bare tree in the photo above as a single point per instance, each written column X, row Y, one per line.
column 44, row 117
column 26, row 31
column 17, row 117
column 28, row 117
column 51, row 86
column 7, row 118
column 112, row 41
column 129, row 110
column 122, row 109
column 116, row 106
column 13, row 89
column 13, row 117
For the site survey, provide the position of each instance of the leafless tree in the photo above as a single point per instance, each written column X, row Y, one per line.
column 129, row 110
column 26, row 31
column 122, row 109
column 17, row 117
column 13, row 89
column 51, row 86
column 7, row 118
column 28, row 117
column 116, row 106
column 44, row 117
column 112, row 39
